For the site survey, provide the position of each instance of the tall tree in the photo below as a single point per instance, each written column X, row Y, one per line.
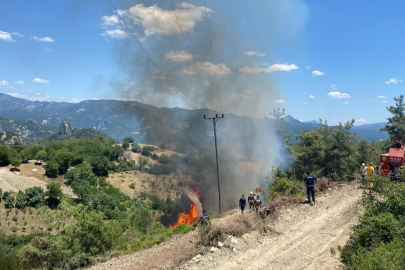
column 396, row 123
column 277, row 115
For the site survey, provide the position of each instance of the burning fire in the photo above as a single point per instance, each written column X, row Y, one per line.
column 194, row 211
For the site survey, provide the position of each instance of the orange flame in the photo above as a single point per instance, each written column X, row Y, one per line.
column 192, row 215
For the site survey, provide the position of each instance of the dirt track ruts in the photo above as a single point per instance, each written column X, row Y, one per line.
column 301, row 238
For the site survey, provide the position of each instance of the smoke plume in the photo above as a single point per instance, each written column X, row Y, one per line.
column 247, row 79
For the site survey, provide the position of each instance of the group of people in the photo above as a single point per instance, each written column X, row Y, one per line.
column 366, row 171
column 253, row 201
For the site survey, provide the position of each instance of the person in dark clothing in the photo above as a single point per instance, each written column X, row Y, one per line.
column 242, row 203
column 258, row 203
column 251, row 201
column 204, row 219
column 309, row 181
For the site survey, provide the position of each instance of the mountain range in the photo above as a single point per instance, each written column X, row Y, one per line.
column 175, row 127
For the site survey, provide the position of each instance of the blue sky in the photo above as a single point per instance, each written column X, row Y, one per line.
column 334, row 60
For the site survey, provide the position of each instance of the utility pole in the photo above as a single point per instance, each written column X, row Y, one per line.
column 214, row 120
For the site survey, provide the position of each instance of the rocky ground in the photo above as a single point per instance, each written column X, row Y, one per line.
column 300, row 237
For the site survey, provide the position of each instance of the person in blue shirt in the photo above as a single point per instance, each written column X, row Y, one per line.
column 309, row 181
column 204, row 219
column 242, row 203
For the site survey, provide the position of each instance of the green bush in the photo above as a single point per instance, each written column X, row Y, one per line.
column 51, row 168
column 136, row 148
column 183, row 228
column 8, row 199
column 377, row 242
column 132, row 186
column 285, row 186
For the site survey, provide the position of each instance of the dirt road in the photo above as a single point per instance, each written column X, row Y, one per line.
column 301, row 238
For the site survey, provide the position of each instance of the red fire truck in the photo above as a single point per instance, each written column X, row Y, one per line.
column 392, row 160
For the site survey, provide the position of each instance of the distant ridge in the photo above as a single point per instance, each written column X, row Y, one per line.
column 177, row 128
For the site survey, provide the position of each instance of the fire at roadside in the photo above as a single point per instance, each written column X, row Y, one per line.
column 195, row 210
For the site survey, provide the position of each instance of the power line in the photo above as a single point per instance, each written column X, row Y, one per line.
column 212, row 53
column 140, row 45
column 174, row 11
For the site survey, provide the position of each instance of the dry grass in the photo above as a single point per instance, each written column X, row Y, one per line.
column 232, row 223
column 322, row 184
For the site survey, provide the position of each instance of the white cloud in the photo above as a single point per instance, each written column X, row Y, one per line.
column 338, row 95
column 311, row 96
column 47, row 49
column 179, row 56
column 317, row 73
column 393, row 80
column 207, row 68
column 115, row 33
column 256, row 53
column 4, row 83
column 272, row 68
column 308, row 67
column 384, row 101
column 333, row 86
column 361, row 120
column 17, row 95
column 44, row 39
column 241, row 94
column 19, row 82
column 279, row 101
column 110, row 20
column 304, row 103
column 38, row 80
column 382, row 97
column 345, row 102
column 161, row 22
column 6, row 36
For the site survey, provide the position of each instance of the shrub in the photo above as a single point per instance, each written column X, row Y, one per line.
column 8, row 199
column 136, row 148
column 132, row 186
column 164, row 158
column 51, row 168
column 15, row 218
column 35, row 196
column 21, row 200
column 125, row 145
column 183, row 228
column 285, row 186
column 129, row 139
column 14, row 229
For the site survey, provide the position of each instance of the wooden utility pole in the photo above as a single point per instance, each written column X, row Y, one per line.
column 214, row 120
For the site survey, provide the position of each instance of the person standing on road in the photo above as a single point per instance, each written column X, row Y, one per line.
column 258, row 203
column 309, row 181
column 370, row 170
column 251, row 201
column 363, row 171
column 242, row 203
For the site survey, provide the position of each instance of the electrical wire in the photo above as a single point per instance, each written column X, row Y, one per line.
column 140, row 45
column 189, row 51
column 212, row 53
